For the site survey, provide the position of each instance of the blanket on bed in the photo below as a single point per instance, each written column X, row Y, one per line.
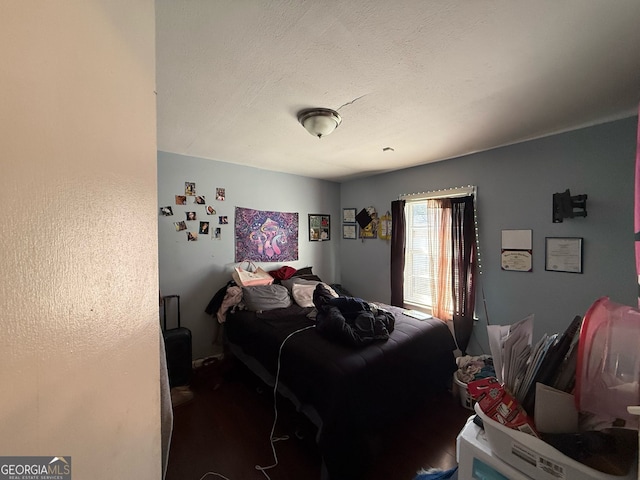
column 348, row 392
column 350, row 321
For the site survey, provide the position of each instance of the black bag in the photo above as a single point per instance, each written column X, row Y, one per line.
column 177, row 344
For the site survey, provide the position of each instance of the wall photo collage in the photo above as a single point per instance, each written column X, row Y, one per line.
column 199, row 217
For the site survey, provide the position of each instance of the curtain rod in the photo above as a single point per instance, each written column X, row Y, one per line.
column 457, row 192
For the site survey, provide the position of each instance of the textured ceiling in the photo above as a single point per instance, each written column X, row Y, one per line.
column 431, row 79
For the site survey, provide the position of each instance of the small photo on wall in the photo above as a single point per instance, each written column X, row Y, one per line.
column 189, row 189
column 166, row 211
column 220, row 194
column 192, row 237
column 217, row 233
column 211, row 210
column 180, row 226
column 200, row 199
column 223, row 220
column 191, row 216
column 181, row 200
column 204, row 228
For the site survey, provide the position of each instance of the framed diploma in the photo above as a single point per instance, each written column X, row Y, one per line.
column 348, row 215
column 563, row 254
column 350, row 232
column 517, row 253
column 516, row 260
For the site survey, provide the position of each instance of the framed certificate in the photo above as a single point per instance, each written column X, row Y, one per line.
column 563, row 254
column 517, row 253
column 517, row 260
column 350, row 231
column 348, row 215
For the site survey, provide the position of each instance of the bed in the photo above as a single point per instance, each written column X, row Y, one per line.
column 347, row 392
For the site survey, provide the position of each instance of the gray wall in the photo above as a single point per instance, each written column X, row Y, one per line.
column 196, row 270
column 515, row 188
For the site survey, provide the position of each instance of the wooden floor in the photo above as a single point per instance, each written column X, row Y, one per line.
column 225, row 430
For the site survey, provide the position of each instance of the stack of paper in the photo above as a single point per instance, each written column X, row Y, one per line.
column 529, row 374
column 554, row 361
column 511, row 349
column 519, row 366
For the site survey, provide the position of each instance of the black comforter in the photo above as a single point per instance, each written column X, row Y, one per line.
column 353, row 390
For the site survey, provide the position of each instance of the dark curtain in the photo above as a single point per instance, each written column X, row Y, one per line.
column 397, row 252
column 463, row 243
column 636, row 221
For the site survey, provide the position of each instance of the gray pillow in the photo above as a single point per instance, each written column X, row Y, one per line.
column 265, row 297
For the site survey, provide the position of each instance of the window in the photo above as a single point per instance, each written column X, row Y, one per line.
column 427, row 249
column 434, row 255
column 429, row 256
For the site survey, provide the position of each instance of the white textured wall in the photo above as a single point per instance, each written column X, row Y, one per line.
column 78, row 251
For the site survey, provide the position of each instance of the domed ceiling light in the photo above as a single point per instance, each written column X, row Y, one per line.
column 319, row 121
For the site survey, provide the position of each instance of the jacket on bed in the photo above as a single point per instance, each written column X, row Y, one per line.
column 350, row 321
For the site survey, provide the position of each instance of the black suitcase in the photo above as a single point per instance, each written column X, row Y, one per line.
column 177, row 344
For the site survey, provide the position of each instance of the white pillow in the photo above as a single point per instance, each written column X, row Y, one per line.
column 303, row 293
column 292, row 281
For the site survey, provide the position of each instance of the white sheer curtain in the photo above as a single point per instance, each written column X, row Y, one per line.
column 439, row 249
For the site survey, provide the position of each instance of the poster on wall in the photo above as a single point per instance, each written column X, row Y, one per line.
column 264, row 236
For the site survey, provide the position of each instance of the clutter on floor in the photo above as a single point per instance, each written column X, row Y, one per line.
column 560, row 408
column 181, row 395
column 437, row 474
column 471, row 368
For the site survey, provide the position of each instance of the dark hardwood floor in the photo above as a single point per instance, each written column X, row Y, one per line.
column 225, row 429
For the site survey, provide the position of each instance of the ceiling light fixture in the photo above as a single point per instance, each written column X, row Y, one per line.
column 319, row 121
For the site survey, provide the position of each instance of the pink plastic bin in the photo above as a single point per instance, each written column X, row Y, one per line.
column 608, row 369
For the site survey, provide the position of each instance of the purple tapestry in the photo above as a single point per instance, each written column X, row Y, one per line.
column 266, row 236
